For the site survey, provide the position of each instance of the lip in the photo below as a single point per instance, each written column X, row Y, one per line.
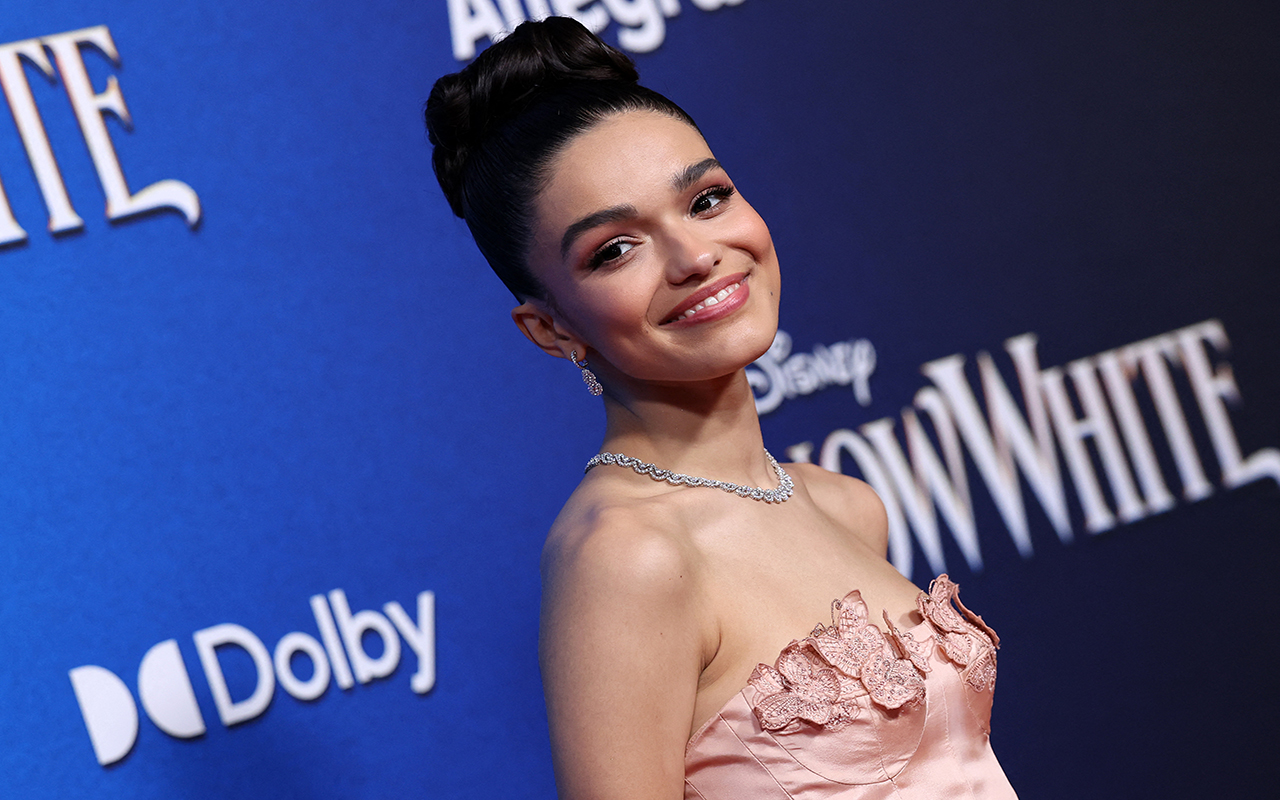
column 726, row 306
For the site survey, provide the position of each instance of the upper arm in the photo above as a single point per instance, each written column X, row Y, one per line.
column 621, row 653
column 851, row 501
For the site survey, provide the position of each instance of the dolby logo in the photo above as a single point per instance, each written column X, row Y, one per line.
column 164, row 684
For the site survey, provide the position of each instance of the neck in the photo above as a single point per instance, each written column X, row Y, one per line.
column 709, row 429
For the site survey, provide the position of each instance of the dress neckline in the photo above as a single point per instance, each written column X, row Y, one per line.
column 740, row 693
column 889, row 664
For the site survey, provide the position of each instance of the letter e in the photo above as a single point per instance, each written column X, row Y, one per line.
column 89, row 108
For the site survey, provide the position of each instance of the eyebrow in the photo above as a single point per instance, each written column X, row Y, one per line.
column 680, row 182
column 613, row 214
column 690, row 175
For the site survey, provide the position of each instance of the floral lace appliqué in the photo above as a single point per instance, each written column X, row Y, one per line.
column 962, row 636
column 801, row 687
column 915, row 651
column 819, row 678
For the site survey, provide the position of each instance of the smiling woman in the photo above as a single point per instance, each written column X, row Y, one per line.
column 672, row 617
column 654, row 237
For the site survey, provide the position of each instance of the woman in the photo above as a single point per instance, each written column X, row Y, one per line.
column 632, row 256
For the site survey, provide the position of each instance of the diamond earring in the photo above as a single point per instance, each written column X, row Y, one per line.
column 588, row 377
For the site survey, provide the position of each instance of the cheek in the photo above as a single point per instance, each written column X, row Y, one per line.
column 762, row 236
column 608, row 312
column 754, row 234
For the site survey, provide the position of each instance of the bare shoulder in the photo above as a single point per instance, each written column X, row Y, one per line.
column 848, row 500
column 621, row 544
column 621, row 644
column 621, row 563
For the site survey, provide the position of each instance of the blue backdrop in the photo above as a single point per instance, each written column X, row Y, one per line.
column 221, row 417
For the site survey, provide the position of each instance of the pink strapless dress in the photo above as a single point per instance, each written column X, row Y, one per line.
column 857, row 712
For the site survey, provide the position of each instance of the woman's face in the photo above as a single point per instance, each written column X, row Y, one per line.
column 650, row 256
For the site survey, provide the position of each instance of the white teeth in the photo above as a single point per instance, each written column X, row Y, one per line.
column 711, row 301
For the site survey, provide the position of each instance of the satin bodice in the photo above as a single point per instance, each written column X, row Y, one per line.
column 857, row 712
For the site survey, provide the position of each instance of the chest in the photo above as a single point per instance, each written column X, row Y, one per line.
column 776, row 574
column 768, row 579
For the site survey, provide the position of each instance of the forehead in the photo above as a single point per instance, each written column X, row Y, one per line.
column 626, row 159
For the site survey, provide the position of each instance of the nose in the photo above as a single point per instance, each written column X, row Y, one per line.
column 691, row 254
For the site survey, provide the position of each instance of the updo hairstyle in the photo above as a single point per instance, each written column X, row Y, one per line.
column 497, row 125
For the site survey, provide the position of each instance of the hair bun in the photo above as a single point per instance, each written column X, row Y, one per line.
column 505, row 80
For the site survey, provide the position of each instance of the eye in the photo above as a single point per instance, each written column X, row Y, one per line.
column 710, row 199
column 611, row 251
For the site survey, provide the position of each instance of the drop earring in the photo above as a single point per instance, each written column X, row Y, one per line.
column 588, row 377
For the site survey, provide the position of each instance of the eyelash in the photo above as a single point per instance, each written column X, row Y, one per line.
column 721, row 192
column 599, row 258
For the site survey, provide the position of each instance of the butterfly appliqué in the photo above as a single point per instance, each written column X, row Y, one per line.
column 963, row 637
column 801, row 686
column 819, row 678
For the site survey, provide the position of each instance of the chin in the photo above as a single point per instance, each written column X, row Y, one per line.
column 750, row 345
column 755, row 349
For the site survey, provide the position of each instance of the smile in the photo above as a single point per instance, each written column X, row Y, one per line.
column 709, row 302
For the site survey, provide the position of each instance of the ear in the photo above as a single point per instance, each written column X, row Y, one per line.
column 538, row 325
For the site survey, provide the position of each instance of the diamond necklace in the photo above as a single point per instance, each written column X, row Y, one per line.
column 779, row 495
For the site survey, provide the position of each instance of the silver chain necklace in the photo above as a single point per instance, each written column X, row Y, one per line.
column 779, row 495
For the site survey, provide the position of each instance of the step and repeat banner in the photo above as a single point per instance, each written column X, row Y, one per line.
column 275, row 466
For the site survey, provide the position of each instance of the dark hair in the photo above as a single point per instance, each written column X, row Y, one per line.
column 497, row 124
